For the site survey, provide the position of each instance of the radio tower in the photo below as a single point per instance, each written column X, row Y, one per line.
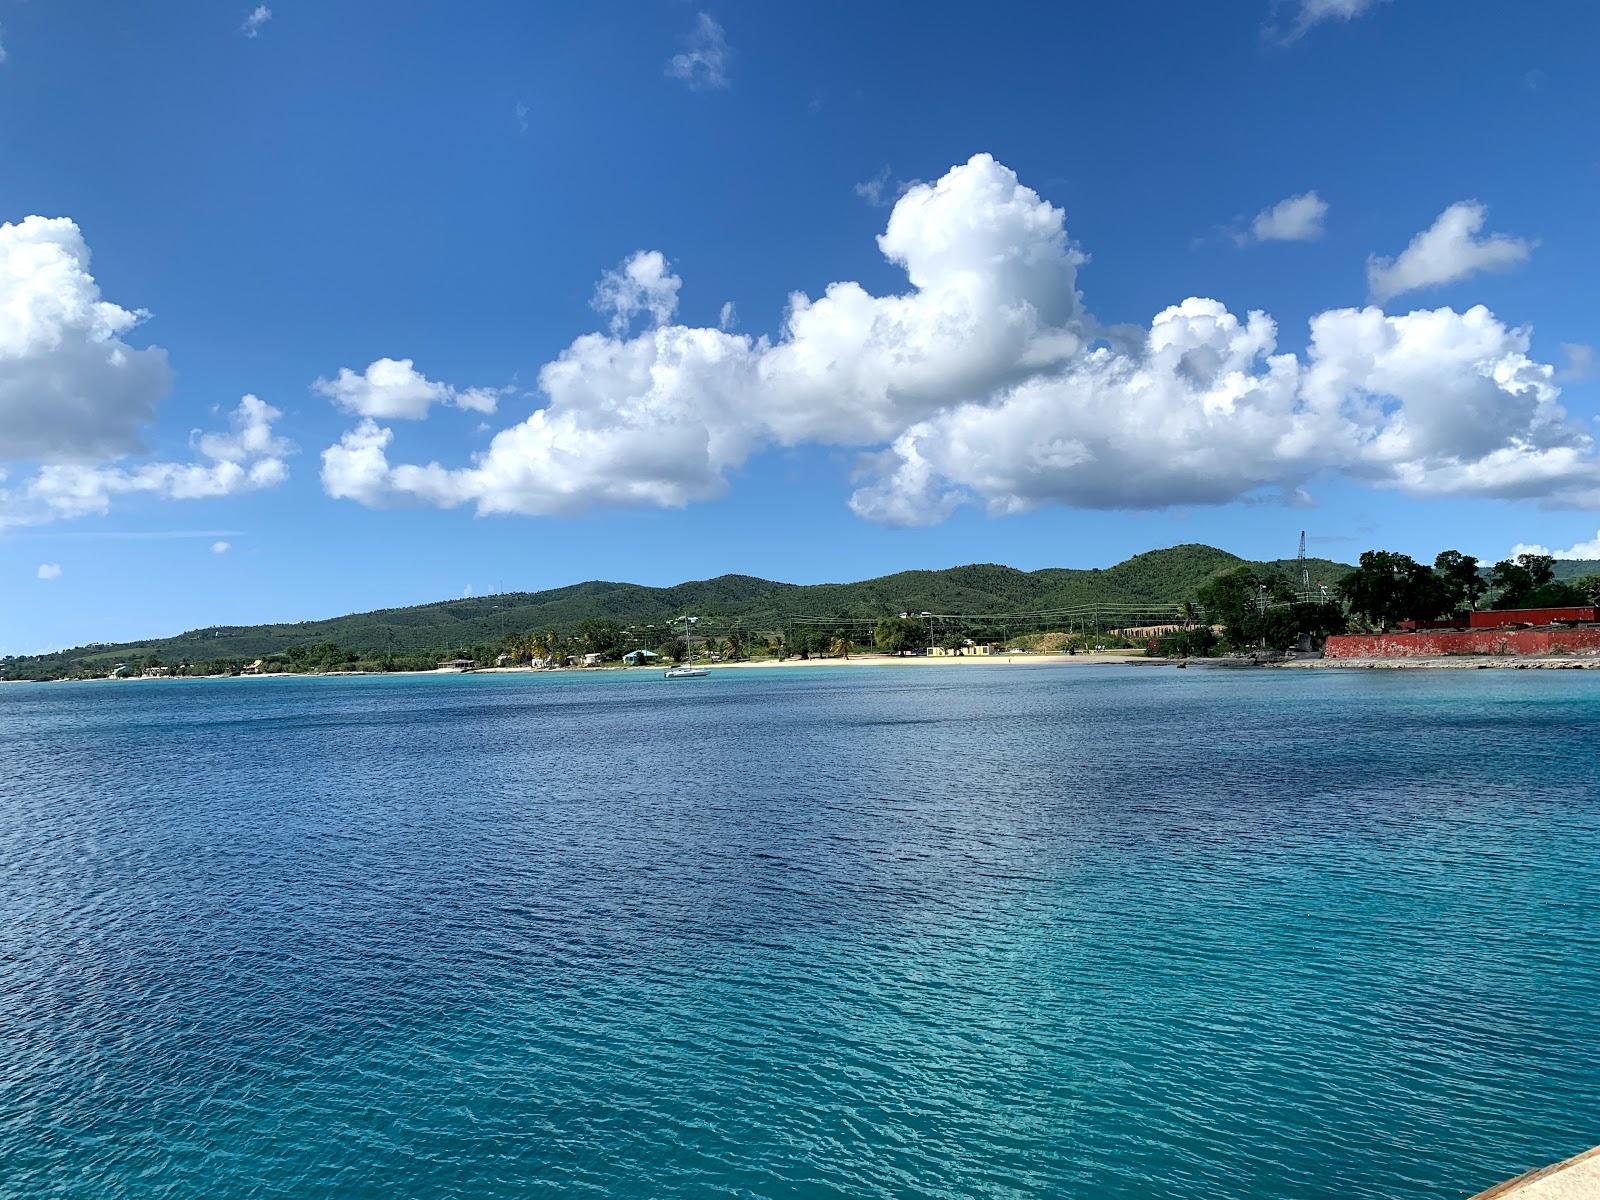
column 1305, row 570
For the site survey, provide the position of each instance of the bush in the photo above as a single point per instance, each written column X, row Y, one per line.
column 1198, row 642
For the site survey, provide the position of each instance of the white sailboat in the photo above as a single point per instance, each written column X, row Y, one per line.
column 686, row 670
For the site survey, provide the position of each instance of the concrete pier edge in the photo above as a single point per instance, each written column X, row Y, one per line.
column 1575, row 1178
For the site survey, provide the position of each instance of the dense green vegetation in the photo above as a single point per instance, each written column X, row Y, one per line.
column 1220, row 601
column 759, row 611
column 1387, row 588
column 1256, row 608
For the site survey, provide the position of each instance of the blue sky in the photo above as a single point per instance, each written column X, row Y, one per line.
column 268, row 203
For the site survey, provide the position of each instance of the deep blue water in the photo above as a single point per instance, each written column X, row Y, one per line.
column 953, row 931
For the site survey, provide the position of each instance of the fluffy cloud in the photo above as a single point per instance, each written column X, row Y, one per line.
column 393, row 389
column 1582, row 550
column 48, row 571
column 1297, row 219
column 661, row 417
column 246, row 457
column 1432, row 403
column 641, row 284
column 71, row 389
column 986, row 382
column 75, row 396
column 1447, row 251
column 703, row 62
column 221, row 547
column 258, row 17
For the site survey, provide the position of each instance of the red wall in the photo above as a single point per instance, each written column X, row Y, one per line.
column 1473, row 641
column 1528, row 616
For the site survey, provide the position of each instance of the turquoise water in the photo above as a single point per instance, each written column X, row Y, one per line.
column 954, row 931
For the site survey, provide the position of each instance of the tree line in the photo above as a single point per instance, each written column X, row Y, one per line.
column 1387, row 588
column 1250, row 608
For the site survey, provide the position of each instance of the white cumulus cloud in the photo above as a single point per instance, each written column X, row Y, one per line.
column 49, row 571
column 393, row 389
column 71, row 387
column 75, row 395
column 246, row 457
column 641, row 283
column 703, row 62
column 1447, row 251
column 986, row 382
column 221, row 547
column 1581, row 550
column 1297, row 219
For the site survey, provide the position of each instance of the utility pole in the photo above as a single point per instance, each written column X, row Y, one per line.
column 1305, row 571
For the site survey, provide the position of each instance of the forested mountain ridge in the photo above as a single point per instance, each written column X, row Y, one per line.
column 1159, row 577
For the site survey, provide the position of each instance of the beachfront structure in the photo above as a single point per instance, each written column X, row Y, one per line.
column 967, row 649
column 1503, row 631
column 639, row 658
column 460, row 664
column 593, row 660
column 253, row 668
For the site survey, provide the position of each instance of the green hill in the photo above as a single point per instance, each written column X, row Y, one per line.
column 1576, row 568
column 1158, row 578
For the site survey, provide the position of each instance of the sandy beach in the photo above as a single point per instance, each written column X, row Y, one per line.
column 1439, row 663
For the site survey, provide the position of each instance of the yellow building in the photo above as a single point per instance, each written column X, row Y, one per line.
column 969, row 649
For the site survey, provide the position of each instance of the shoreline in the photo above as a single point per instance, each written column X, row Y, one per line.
column 1109, row 658
column 862, row 660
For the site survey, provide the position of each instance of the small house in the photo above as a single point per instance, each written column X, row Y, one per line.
column 253, row 668
column 639, row 658
column 460, row 664
column 593, row 660
column 967, row 649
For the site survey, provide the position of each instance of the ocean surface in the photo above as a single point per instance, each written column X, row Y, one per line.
column 942, row 932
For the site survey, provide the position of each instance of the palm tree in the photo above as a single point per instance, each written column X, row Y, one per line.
column 842, row 645
column 534, row 646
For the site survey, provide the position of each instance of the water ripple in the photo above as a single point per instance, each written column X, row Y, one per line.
column 1109, row 934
